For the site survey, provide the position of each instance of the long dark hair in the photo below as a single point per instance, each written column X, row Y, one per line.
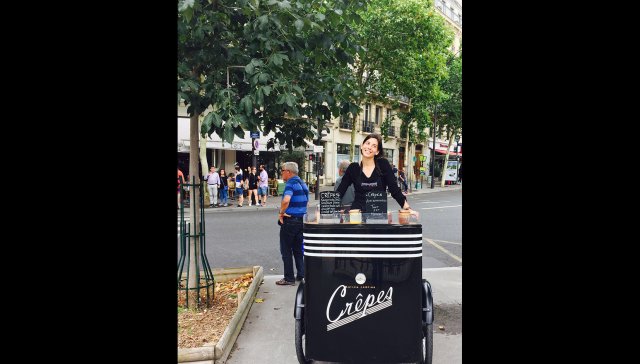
column 380, row 154
column 380, row 148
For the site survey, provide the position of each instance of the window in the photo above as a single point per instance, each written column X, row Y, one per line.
column 367, row 111
column 344, row 149
column 388, row 153
column 345, row 122
column 378, row 114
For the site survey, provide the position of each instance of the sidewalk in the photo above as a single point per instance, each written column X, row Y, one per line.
column 267, row 335
column 273, row 202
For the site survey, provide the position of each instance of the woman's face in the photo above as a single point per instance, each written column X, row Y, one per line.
column 222, row 171
column 369, row 148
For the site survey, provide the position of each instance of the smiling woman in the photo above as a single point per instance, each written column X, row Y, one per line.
column 373, row 173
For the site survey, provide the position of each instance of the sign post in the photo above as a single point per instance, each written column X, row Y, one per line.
column 254, row 147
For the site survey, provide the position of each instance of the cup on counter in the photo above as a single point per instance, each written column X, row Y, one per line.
column 404, row 216
column 355, row 216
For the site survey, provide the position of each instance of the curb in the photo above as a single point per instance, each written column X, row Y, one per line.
column 219, row 352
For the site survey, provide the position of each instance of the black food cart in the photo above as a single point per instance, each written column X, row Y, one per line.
column 363, row 299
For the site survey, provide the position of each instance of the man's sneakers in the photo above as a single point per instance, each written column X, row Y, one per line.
column 284, row 282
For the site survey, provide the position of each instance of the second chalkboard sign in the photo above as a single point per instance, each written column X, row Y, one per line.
column 329, row 202
column 376, row 202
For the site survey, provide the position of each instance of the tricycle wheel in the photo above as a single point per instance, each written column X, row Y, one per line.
column 300, row 342
column 427, row 345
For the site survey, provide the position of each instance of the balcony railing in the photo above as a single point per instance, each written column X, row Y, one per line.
column 346, row 123
column 391, row 131
column 367, row 127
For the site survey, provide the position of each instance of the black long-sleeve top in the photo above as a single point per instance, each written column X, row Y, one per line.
column 381, row 178
column 223, row 181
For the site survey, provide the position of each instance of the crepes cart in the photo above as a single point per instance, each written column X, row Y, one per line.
column 363, row 299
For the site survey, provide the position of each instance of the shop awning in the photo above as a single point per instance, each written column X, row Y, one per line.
column 444, row 151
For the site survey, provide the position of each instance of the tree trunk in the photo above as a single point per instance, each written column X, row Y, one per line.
column 353, row 139
column 194, row 209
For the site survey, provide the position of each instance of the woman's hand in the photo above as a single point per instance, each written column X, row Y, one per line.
column 406, row 206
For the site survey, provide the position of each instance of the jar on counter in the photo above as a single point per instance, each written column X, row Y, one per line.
column 355, row 216
column 404, row 217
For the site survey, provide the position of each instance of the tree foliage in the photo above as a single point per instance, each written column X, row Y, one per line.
column 286, row 59
column 404, row 46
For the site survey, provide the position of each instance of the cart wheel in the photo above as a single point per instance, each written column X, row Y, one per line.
column 300, row 342
column 427, row 345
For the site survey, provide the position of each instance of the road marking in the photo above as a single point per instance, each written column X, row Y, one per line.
column 433, row 201
column 448, row 242
column 443, row 249
column 439, row 207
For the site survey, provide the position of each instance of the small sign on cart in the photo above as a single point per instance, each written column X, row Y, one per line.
column 376, row 203
column 330, row 202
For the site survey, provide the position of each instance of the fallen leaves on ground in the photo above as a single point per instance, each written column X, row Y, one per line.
column 197, row 328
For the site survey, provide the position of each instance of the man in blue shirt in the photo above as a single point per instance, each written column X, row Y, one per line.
column 292, row 209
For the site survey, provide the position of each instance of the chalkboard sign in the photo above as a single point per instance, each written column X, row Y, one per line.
column 376, row 202
column 329, row 202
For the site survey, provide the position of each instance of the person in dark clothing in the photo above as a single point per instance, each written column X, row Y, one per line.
column 373, row 173
column 403, row 180
column 253, row 187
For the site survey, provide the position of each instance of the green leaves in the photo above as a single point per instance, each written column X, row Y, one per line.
column 186, row 8
column 246, row 104
column 277, row 58
column 299, row 24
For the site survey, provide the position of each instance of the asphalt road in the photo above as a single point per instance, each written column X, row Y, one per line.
column 240, row 238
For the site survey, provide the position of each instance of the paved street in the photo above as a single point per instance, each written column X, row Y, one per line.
column 244, row 237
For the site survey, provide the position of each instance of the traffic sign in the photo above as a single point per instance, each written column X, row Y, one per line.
column 318, row 149
column 457, row 137
column 256, row 144
column 255, row 134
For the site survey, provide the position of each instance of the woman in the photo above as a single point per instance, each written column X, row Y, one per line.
column 224, row 188
column 253, row 187
column 374, row 173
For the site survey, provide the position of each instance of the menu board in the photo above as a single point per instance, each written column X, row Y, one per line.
column 329, row 202
column 376, row 202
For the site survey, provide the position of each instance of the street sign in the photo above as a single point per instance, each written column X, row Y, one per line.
column 256, row 152
column 256, row 144
column 255, row 134
column 318, row 149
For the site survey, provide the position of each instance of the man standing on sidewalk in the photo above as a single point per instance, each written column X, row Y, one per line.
column 213, row 182
column 263, row 186
column 292, row 210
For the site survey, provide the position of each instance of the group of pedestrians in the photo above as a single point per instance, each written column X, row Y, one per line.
column 253, row 184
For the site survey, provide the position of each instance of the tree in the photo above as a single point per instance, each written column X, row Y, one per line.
column 247, row 65
column 403, row 45
column 451, row 109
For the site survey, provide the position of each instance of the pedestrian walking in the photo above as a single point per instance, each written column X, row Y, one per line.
column 180, row 183
column 239, row 189
column 213, row 182
column 292, row 209
column 403, row 181
column 253, row 186
column 263, row 186
column 224, row 188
